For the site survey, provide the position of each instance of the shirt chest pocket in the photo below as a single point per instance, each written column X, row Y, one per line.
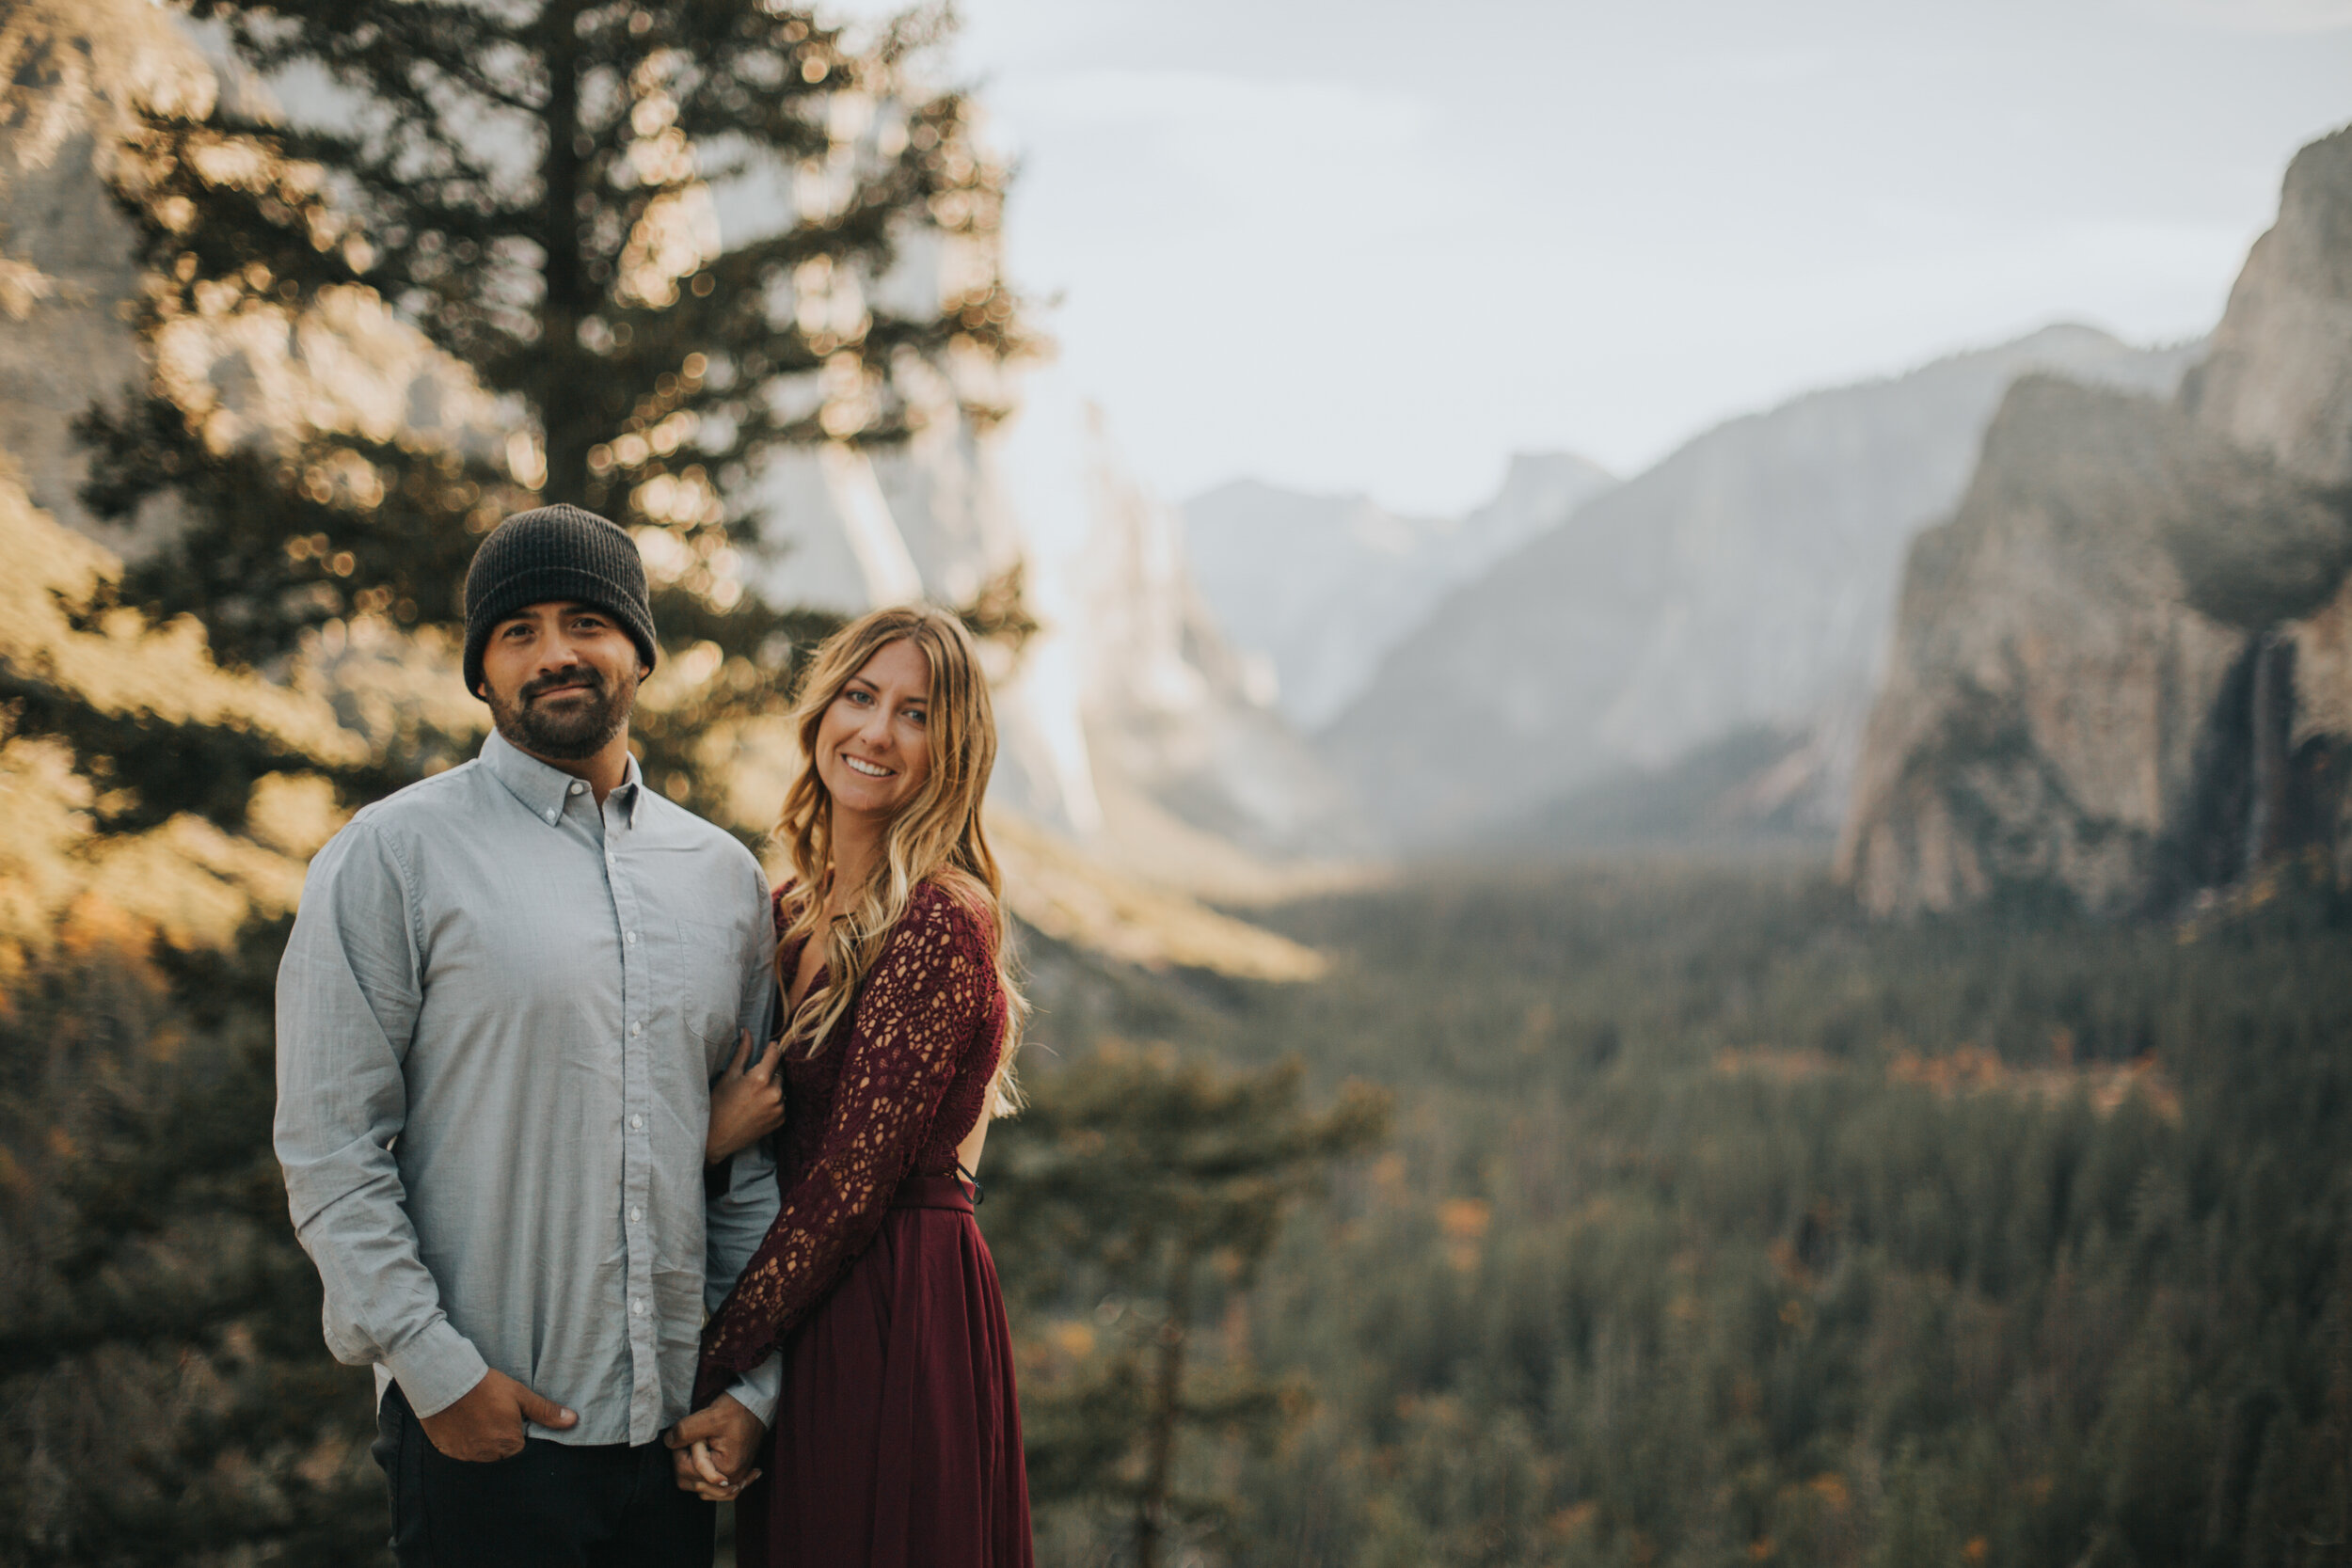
column 703, row 974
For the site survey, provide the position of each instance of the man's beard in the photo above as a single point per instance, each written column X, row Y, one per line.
column 570, row 734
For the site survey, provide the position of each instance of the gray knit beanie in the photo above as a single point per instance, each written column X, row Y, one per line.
column 557, row 552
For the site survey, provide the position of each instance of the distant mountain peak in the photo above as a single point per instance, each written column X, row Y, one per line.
column 1324, row 584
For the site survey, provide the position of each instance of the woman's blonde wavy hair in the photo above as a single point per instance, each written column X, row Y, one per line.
column 937, row 838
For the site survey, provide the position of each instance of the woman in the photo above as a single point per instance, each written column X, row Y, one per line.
column 897, row 1439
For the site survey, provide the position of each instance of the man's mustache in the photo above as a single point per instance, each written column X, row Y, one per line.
column 557, row 680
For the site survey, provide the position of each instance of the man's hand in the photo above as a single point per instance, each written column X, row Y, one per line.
column 487, row 1423
column 713, row 1449
column 746, row 1102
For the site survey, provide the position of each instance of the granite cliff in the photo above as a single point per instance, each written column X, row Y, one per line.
column 1188, row 749
column 2123, row 670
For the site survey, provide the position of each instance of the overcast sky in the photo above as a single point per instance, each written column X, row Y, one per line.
column 1355, row 245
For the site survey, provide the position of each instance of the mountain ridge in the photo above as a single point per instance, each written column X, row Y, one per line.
column 1747, row 579
column 1320, row 585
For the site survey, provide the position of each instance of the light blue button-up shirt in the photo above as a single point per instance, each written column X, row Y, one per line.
column 498, row 1019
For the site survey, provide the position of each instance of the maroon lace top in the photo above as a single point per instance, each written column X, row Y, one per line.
column 899, row 1084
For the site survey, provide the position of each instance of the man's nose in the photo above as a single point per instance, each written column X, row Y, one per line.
column 556, row 652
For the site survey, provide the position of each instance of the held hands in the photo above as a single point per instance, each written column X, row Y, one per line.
column 486, row 1422
column 746, row 1102
column 713, row 1449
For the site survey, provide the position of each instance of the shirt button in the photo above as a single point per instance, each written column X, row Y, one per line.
column 552, row 814
column 632, row 936
column 577, row 787
column 637, row 1308
column 636, row 1122
column 635, row 1214
column 636, row 1028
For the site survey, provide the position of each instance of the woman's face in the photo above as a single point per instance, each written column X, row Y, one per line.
column 873, row 746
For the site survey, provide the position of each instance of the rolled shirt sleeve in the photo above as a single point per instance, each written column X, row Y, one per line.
column 348, row 996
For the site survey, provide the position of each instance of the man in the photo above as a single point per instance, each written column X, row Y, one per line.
column 506, row 996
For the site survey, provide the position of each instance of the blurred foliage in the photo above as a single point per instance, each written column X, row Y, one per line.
column 1137, row 1198
column 165, row 1398
column 1721, row 1226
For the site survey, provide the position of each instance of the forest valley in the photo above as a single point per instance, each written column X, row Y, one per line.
column 1629, row 1212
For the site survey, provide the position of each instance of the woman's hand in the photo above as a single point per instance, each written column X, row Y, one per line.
column 746, row 1103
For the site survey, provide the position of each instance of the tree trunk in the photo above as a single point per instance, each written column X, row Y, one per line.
column 563, row 413
column 1167, row 1388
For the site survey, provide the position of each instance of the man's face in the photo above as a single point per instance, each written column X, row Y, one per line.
column 561, row 679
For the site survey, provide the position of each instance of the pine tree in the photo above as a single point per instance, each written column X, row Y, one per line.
column 533, row 187
column 1141, row 1193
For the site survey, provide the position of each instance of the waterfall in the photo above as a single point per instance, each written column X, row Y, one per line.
column 2271, row 741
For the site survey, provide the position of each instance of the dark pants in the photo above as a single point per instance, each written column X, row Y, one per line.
column 554, row 1505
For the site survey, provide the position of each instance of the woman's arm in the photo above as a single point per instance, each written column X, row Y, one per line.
column 907, row 1036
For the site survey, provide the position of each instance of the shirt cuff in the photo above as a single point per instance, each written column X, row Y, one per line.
column 438, row 1367
column 757, row 1389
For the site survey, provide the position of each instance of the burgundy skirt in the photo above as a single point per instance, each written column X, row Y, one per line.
column 897, row 1438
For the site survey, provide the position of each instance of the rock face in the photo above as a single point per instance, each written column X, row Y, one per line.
column 71, row 73
column 1745, row 582
column 1321, row 586
column 1174, row 721
column 2278, row 378
column 2122, row 671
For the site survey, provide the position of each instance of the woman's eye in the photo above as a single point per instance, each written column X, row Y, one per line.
column 915, row 714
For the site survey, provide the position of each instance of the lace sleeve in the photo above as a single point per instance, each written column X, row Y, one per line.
column 906, row 1038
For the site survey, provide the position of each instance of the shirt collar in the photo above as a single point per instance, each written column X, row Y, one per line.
column 543, row 788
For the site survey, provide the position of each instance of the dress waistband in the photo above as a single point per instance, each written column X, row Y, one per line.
column 932, row 1191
